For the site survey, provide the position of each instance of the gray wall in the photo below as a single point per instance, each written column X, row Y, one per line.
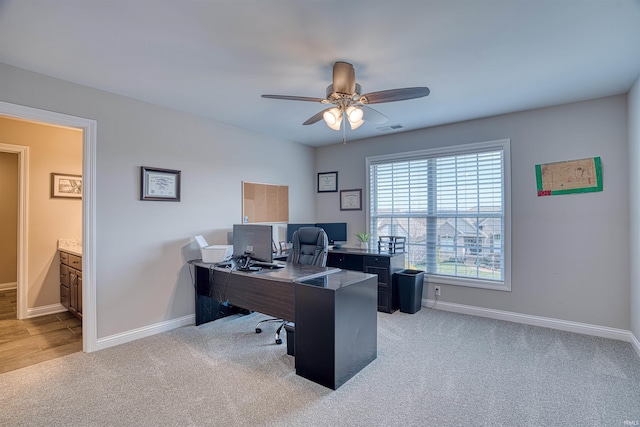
column 634, row 204
column 570, row 257
column 141, row 276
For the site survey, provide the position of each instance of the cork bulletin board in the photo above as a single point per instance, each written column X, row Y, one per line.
column 264, row 202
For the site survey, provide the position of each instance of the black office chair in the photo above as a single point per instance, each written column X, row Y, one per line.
column 310, row 246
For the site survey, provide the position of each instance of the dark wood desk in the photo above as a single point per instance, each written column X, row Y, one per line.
column 334, row 312
column 383, row 265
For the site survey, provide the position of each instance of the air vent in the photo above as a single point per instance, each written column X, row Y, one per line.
column 390, row 127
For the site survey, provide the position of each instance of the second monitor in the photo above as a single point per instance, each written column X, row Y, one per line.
column 336, row 231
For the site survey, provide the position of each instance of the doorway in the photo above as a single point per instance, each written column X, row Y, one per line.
column 43, row 330
column 89, row 138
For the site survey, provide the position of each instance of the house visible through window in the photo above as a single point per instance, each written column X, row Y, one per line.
column 452, row 206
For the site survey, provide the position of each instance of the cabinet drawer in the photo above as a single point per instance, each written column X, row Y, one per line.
column 64, row 258
column 376, row 261
column 64, row 275
column 75, row 262
column 383, row 301
column 382, row 273
column 345, row 261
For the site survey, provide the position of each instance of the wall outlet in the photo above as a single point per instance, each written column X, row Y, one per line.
column 436, row 290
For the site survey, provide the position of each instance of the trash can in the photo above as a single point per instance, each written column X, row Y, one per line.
column 409, row 284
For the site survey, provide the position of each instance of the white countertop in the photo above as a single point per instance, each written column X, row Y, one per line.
column 72, row 246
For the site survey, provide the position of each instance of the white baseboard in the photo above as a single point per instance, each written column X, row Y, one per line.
column 44, row 310
column 145, row 331
column 8, row 285
column 563, row 325
column 635, row 343
column 545, row 322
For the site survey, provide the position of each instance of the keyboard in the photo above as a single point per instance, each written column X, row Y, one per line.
column 267, row 264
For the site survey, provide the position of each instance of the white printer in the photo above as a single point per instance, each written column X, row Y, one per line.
column 214, row 253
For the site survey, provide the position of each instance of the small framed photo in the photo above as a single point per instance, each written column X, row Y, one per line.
column 159, row 184
column 351, row 200
column 327, row 182
column 66, row 186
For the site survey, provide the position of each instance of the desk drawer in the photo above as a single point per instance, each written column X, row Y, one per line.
column 376, row 261
column 345, row 261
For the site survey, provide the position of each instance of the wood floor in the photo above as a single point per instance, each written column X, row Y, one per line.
column 27, row 342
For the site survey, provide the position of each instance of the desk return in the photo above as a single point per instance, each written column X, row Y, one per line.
column 335, row 312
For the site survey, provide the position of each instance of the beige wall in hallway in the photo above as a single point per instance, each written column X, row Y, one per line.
column 52, row 149
column 8, row 217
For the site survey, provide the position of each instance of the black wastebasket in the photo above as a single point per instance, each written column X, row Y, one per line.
column 409, row 284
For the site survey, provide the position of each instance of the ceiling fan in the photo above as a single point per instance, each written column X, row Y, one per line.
column 348, row 102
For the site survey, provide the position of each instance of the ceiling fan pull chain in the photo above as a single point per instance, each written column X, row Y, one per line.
column 344, row 129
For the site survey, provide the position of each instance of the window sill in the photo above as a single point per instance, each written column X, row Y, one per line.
column 467, row 282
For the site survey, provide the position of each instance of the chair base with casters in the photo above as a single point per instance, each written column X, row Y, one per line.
column 282, row 323
column 310, row 246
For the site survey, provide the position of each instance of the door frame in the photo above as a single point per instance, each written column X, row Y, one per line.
column 23, row 215
column 89, row 150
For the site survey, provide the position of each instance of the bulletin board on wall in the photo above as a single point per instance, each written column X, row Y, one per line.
column 264, row 202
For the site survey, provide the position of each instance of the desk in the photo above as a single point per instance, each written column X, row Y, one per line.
column 384, row 265
column 334, row 312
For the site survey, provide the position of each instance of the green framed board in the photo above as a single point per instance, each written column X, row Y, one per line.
column 573, row 176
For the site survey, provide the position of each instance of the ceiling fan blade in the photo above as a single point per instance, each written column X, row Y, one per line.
column 373, row 116
column 394, row 95
column 315, row 118
column 344, row 78
column 293, row 98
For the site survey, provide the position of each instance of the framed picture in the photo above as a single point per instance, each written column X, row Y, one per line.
column 66, row 186
column 159, row 184
column 351, row 200
column 573, row 176
column 327, row 182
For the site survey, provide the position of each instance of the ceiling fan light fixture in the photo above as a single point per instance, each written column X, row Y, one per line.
column 333, row 118
column 355, row 125
column 354, row 114
column 335, row 126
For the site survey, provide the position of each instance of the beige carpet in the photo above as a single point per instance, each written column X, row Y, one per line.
column 433, row 369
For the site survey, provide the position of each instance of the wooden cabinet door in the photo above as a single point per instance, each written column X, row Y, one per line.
column 73, row 291
column 64, row 275
column 64, row 296
column 79, row 294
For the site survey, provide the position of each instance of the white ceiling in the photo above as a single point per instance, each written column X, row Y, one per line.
column 215, row 58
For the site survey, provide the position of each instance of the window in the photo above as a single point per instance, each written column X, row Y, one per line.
column 452, row 205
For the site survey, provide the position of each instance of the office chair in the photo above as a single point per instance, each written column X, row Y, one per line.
column 310, row 246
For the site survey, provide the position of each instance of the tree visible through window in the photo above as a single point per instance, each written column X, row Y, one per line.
column 451, row 205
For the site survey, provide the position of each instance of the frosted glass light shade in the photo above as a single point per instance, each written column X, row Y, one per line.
column 333, row 118
column 356, row 125
column 355, row 114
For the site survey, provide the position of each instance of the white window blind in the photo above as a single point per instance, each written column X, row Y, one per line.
column 451, row 206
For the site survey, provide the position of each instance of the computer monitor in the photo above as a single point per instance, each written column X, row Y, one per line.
column 291, row 228
column 253, row 240
column 336, row 231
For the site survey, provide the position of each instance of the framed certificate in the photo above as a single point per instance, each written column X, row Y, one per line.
column 159, row 184
column 327, row 182
column 351, row 200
